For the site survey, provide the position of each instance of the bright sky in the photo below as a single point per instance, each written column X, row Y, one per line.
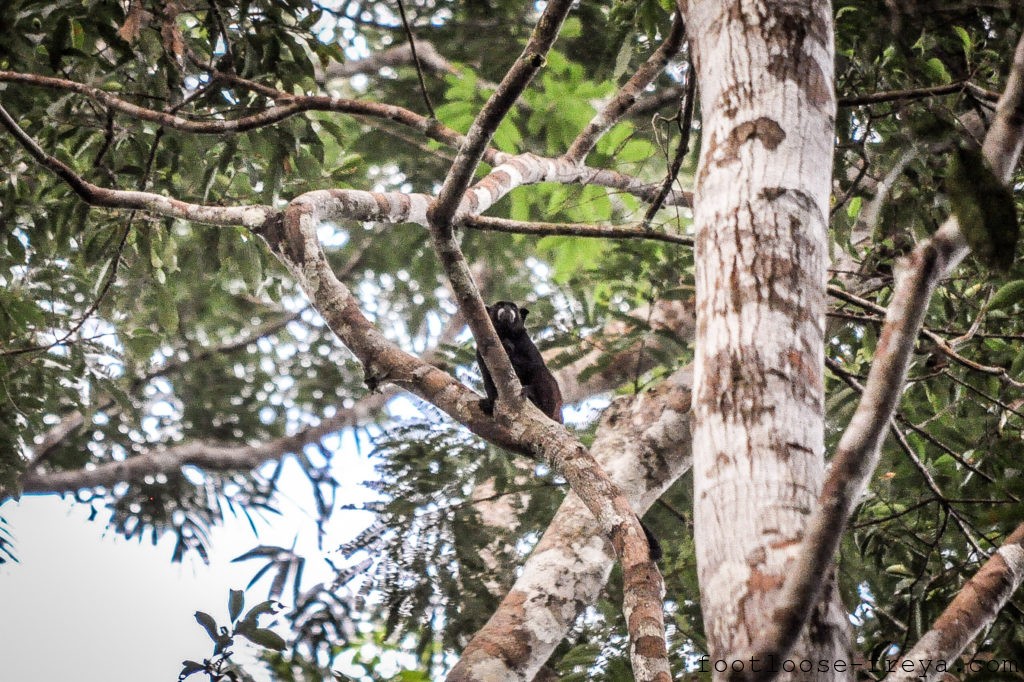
column 85, row 604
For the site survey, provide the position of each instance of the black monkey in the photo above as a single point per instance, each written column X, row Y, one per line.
column 539, row 384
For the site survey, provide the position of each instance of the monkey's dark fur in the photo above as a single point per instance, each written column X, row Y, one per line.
column 539, row 384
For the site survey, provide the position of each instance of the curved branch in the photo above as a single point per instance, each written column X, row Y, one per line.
column 246, row 216
column 295, row 104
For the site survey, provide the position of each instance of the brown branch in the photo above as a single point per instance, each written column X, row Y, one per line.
column 943, row 346
column 247, row 216
column 974, row 608
column 440, row 215
column 416, row 59
column 859, row 448
column 918, row 93
column 627, row 95
column 630, row 231
column 681, row 151
column 295, row 104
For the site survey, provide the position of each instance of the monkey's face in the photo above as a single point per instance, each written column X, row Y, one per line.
column 507, row 317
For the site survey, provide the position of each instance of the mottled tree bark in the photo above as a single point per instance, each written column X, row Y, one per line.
column 765, row 71
column 643, row 444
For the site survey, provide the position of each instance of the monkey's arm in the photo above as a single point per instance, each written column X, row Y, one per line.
column 487, row 404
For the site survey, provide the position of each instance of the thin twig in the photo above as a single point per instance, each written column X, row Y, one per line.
column 627, row 231
column 416, row 60
column 681, row 151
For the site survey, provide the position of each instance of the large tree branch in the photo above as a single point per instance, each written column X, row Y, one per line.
column 974, row 608
column 295, row 243
column 859, row 448
column 643, row 442
column 643, row 584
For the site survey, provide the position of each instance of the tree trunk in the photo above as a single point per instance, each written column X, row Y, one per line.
column 765, row 72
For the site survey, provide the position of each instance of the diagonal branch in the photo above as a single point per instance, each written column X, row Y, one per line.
column 858, row 450
column 627, row 96
column 644, row 443
column 294, row 241
column 974, row 608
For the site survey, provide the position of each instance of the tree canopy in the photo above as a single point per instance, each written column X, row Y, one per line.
column 169, row 334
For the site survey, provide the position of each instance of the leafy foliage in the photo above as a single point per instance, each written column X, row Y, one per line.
column 122, row 334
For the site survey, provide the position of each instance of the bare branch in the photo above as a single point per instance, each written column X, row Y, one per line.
column 416, row 59
column 627, row 95
column 630, row 231
column 974, row 608
column 400, row 55
column 917, row 93
column 859, row 448
column 681, row 151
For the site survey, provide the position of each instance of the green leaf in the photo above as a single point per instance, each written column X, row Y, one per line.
column 208, row 623
column 236, row 602
column 266, row 607
column 265, row 638
column 984, row 207
column 1007, row 295
column 622, row 59
column 938, row 71
column 965, row 38
column 853, row 208
column 166, row 310
column 142, row 342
